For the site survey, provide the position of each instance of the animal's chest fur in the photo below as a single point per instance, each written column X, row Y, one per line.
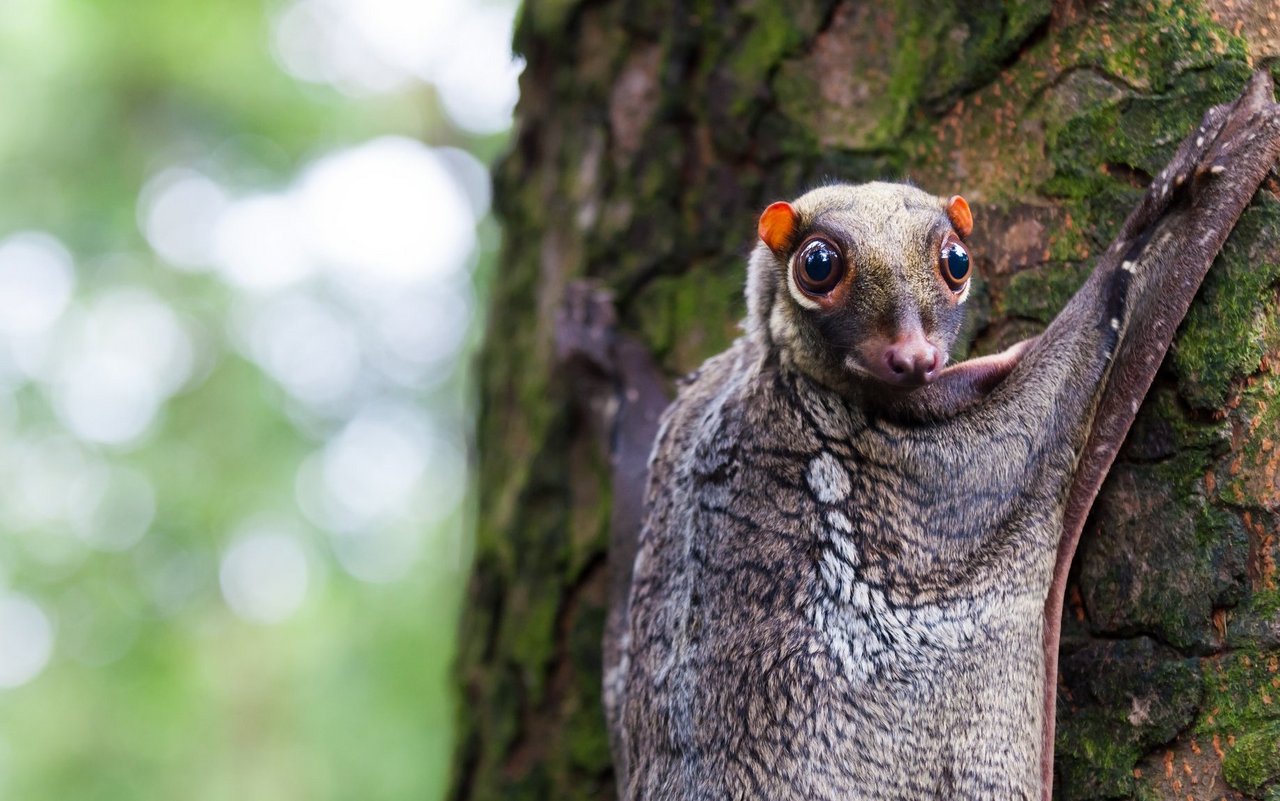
column 811, row 618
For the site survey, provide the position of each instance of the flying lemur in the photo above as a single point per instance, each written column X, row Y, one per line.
column 843, row 576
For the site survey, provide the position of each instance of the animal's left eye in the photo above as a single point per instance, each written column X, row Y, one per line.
column 954, row 264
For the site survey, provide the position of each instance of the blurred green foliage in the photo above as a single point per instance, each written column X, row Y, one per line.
column 350, row 697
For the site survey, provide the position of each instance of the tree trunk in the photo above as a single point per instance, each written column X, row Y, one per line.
column 652, row 135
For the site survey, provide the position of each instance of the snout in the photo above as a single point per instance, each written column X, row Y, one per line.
column 913, row 360
column 908, row 360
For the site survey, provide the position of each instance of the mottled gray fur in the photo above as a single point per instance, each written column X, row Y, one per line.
column 839, row 589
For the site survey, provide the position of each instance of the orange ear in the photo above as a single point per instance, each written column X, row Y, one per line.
column 777, row 225
column 960, row 216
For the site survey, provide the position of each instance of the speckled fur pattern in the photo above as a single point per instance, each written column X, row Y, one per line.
column 839, row 590
column 869, row 606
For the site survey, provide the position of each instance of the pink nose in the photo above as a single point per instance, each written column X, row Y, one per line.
column 913, row 359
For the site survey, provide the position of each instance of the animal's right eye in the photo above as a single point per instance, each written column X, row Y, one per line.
column 819, row 267
column 954, row 263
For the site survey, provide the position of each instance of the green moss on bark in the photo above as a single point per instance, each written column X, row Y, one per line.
column 1160, row 558
column 688, row 319
column 1254, row 761
column 1111, row 718
column 1040, row 293
column 1242, row 692
column 1225, row 337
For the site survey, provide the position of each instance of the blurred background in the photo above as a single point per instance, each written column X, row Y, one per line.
column 242, row 251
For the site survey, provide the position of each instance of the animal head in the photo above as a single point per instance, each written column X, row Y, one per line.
column 865, row 283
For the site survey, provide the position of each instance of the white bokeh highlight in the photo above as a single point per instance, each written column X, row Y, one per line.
column 178, row 211
column 259, row 243
column 37, row 278
column 380, row 46
column 360, row 280
column 479, row 81
column 26, row 640
column 387, row 210
column 264, row 574
column 372, row 468
column 351, row 294
column 306, row 346
column 118, row 361
column 421, row 333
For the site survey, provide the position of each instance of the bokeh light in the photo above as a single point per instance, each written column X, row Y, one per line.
column 26, row 640
column 387, row 211
column 242, row 252
column 179, row 211
column 36, row 281
column 264, row 575
column 259, row 243
column 118, row 360
column 381, row 45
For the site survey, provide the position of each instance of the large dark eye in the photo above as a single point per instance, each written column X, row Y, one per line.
column 954, row 263
column 819, row 267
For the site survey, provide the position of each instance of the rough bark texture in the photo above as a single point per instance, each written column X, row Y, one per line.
column 651, row 136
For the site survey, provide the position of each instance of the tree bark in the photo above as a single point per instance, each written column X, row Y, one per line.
column 651, row 135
